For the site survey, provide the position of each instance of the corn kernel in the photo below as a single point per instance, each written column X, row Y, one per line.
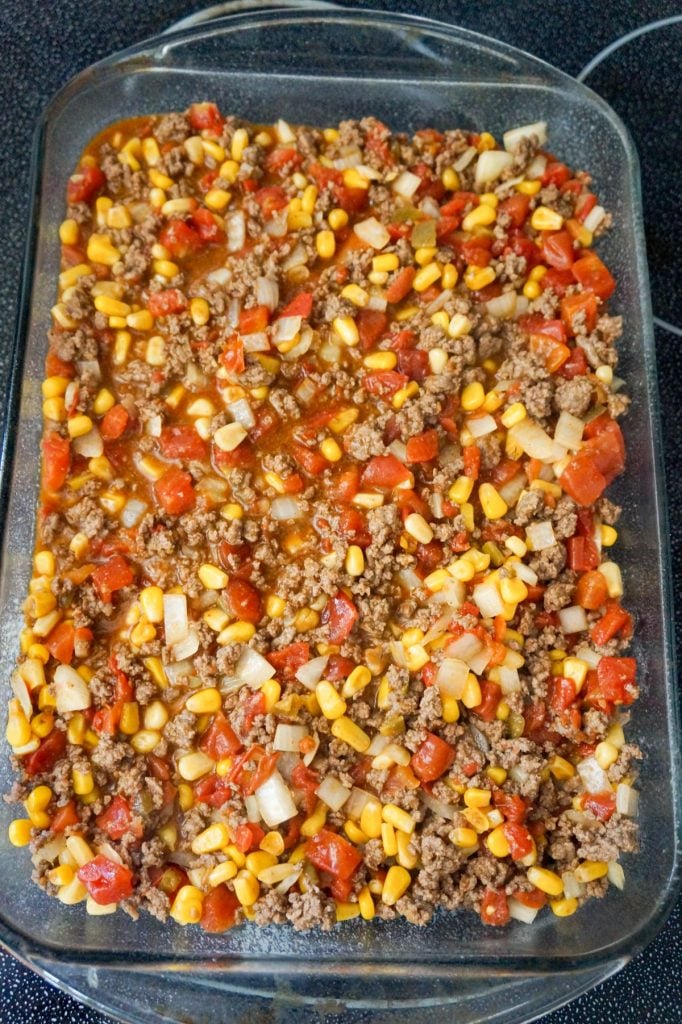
column 426, row 276
column 19, row 832
column 514, row 414
column 331, row 703
column 355, row 561
column 78, row 426
column 450, row 276
column 417, row 527
column 609, row 536
column 212, row 577
column 545, row 880
column 237, row 632
column 205, row 702
column 472, row 396
column 544, row 219
column 464, row 837
column 215, row 837
column 560, row 768
column 459, row 326
column 188, row 905
column 396, row 884
column 274, row 606
column 331, row 450
column 480, row 216
column 476, row 278
column 347, row 330
column 590, row 870
column 229, row 437
column 346, row 729
column 100, row 250
column 399, row 818
column 193, row 766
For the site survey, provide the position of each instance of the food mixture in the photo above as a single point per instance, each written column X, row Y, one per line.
column 325, row 619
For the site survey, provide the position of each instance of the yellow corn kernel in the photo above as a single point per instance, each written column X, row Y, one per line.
column 417, row 527
column 477, row 818
column 69, row 277
column 590, row 870
column 449, row 277
column 306, row 619
column 272, row 843
column 188, row 905
column 436, row 580
column 68, row 232
column 205, row 702
column 545, row 880
column 366, row 904
column 83, row 782
column 54, row 409
column 564, row 907
column 259, row 860
column 240, row 141
column 121, row 347
column 19, row 832
column 155, row 352
column 426, row 276
column 399, row 818
column 199, row 311
column 79, row 850
column 274, row 606
column 156, row 716
column 388, row 840
column 475, row 797
column 472, row 397
column 380, row 361
column 356, row 682
column 38, row 799
column 222, row 872
column 331, row 704
column 497, row 843
column 403, row 394
column 464, row 837
column 151, row 602
column 494, row 506
column 354, row 832
column 140, row 320
column 272, row 691
column 371, row 819
column 325, row 243
column 514, row 414
column 130, row 718
column 18, row 730
column 54, row 387
column 185, row 797
column 237, row 633
column 396, row 884
column 79, row 425
column 544, row 219
column 480, row 216
column 61, row 875
column 450, row 179
column 461, row 490
column 355, row 561
column 42, row 724
column 343, row 420
column 424, row 254
column 217, row 199
column 346, row 729
column 331, row 450
column 155, row 668
column 459, row 326
column 229, row 437
column 531, row 290
column 193, row 766
column 60, row 314
column 100, row 250
column 560, row 768
column 528, row 187
column 312, row 824
column 609, row 536
column 165, row 268
column 346, row 911
column 606, row 754
column 41, row 603
column 513, row 590
column 212, row 577
column 215, row 837
column 476, row 278
column 347, row 330
column 337, row 219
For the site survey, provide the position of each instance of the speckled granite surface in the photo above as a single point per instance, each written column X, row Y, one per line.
column 43, row 45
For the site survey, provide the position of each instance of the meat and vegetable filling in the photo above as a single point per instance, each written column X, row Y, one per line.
column 325, row 620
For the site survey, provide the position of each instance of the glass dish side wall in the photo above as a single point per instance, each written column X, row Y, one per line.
column 409, row 75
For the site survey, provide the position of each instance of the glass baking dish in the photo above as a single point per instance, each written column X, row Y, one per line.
column 319, row 67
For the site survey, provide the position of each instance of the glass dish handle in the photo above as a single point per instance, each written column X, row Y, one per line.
column 207, row 14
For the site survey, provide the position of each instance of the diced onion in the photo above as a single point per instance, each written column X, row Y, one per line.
column 350, row 159
column 221, row 275
column 509, row 679
column 296, row 258
column 398, row 653
column 377, row 745
column 301, row 347
column 572, row 887
column 306, row 391
column 90, row 367
column 372, row 232
column 49, row 851
column 452, row 676
column 252, row 809
column 453, row 594
column 615, row 874
column 277, row 225
column 522, row 305
column 479, row 662
column 594, row 218
column 310, row 756
column 234, row 308
column 235, row 226
column 267, row 292
column 284, row 507
column 409, row 579
column 490, row 165
column 177, row 670
column 481, row 426
column 588, row 655
column 536, row 168
column 187, row 647
column 465, row 159
column 572, row 619
column 275, row 801
column 241, row 412
column 430, row 207
column 512, row 489
column 502, row 306
column 286, row 328
column 399, row 449
column 535, row 441
column 213, row 487
column 525, row 573
column 284, row 132
column 487, row 598
column 569, row 430
column 290, row 880
column 512, row 137
column 541, row 535
column 627, row 800
column 438, row 628
column 520, row 912
column 439, row 807
column 258, row 341
column 311, row 673
column 357, row 800
column 153, row 426
column 175, row 623
column 440, row 300
column 368, row 172
column 332, row 793
column 406, row 184
column 465, row 647
column 253, row 669
column 20, row 691
column 377, row 302
column 108, row 851
column 595, row 779
column 70, row 689
column 89, row 445
column 288, row 737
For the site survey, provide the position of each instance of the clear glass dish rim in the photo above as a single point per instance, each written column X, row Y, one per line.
column 40, row 955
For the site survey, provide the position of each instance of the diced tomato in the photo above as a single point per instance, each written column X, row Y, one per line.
column 271, row 199
column 205, row 117
column 384, row 382
column 591, row 591
column 414, row 363
column 371, row 325
column 247, row 836
column 557, row 249
column 219, row 910
column 576, row 364
column 106, row 881
column 384, row 471
column 491, row 695
column 423, row 447
column 601, row 805
column 511, row 805
column 339, row 615
column 582, row 554
column 309, row 459
column 207, row 180
column 207, row 227
column 516, row 207
column 56, row 460
column 114, row 422
column 180, row 238
column 214, row 790
column 117, row 819
column 293, row 484
column 65, row 816
column 282, row 156
column 409, row 501
column 219, row 740
column 581, row 302
column 535, row 899
column 504, row 471
column 352, row 200
column 84, row 185
column 582, row 480
column 232, row 356
column 300, row 305
column 429, row 556
column 169, row 878
column 174, row 491
column 522, row 245
column 459, row 202
column 472, row 461
column 519, row 838
column 266, row 421
column 401, row 284
column 60, row 642
column 244, row 600
column 553, row 353
column 330, row 852
column 166, row 302
column 338, row 668
column 584, row 204
column 253, row 705
column 590, row 272
column 494, row 908
column 307, row 780
column 352, row 524
column 112, row 576
column 561, row 693
column 432, row 758
column 346, row 485
column 557, row 280
column 181, row 441
column 475, row 251
column 288, row 660
column 607, row 449
column 56, row 367
column 264, row 769
column 253, row 320
column 617, row 679
column 555, row 173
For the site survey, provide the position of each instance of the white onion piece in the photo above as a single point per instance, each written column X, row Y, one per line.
column 286, row 762
column 153, row 426
column 187, row 647
column 509, row 679
column 512, row 137
column 479, row 662
column 615, row 874
column 522, row 305
column 377, row 745
column 90, row 367
column 439, row 807
column 409, row 579
column 481, row 426
column 290, row 880
column 430, row 207
column 90, row 445
column 595, row 779
column 536, row 168
column 512, row 489
column 258, row 341
column 288, row 737
column 465, row 159
column 20, row 691
column 286, row 328
column 49, row 851
column 301, row 347
column 452, row 676
column 275, row 801
column 252, row 809
column 502, row 306
column 518, row 775
column 487, row 597
column 520, row 912
column 437, row 629
column 311, row 673
column 241, row 412
column 284, row 507
column 351, row 159
column 310, row 756
column 306, row 391
column 175, row 622
column 234, row 308
column 587, row 654
column 368, row 172
column 406, row 184
column 627, row 800
column 296, row 258
column 594, row 218
column 541, row 535
column 372, row 232
column 356, row 802
column 329, row 352
column 572, row 887
column 71, row 393
column 490, row 165
column 452, row 594
column 213, row 488
column 479, row 738
column 108, row 851
column 399, row 449
column 253, row 669
column 221, row 275
column 440, row 301
column 267, row 292
column 535, row 441
column 195, row 379
column 277, row 225
column 177, row 670
column 569, row 430
column 284, row 132
column 70, row 690
column 398, row 653
column 465, row 647
column 572, row 619
column 525, row 573
column 332, row 793
column 377, row 302
column 235, row 225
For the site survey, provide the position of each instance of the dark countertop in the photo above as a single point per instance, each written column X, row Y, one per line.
column 43, row 45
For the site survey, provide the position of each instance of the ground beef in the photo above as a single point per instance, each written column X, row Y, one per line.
column 573, row 396
column 311, row 909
